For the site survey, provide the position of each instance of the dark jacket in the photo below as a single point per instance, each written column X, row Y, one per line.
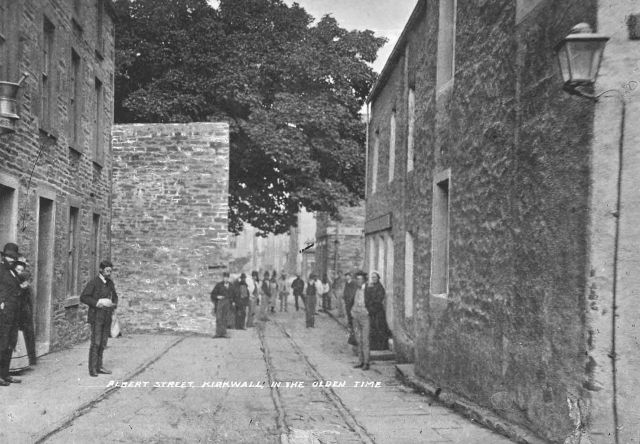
column 221, row 290
column 240, row 294
column 374, row 298
column 350, row 289
column 95, row 290
column 9, row 287
column 298, row 286
column 9, row 305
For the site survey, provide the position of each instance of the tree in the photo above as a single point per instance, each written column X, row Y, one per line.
column 291, row 90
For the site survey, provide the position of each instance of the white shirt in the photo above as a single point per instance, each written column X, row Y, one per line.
column 358, row 301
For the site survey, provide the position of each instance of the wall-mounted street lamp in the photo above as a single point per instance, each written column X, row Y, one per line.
column 9, row 105
column 579, row 56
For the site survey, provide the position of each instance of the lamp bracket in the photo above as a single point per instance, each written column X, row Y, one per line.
column 576, row 90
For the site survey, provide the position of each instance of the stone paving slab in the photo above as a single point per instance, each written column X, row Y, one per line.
column 60, row 384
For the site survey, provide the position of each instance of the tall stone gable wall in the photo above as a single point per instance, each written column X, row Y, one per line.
column 169, row 226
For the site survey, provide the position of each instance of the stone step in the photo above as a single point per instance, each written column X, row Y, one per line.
column 382, row 355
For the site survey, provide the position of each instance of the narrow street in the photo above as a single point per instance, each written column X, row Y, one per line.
column 173, row 396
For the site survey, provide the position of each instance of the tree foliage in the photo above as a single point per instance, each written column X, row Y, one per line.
column 291, row 90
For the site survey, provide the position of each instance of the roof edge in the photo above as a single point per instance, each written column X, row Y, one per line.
column 397, row 51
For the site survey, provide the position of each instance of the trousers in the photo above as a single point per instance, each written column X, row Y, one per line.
column 310, row 308
column 361, row 325
column 99, row 336
column 222, row 308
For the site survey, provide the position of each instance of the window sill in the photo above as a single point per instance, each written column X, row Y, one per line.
column 48, row 134
column 444, row 296
column 71, row 302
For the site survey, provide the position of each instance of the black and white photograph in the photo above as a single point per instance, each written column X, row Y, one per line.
column 320, row 221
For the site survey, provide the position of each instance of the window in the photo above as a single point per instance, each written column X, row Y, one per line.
column 98, row 136
column 440, row 237
column 372, row 253
column 411, row 118
column 75, row 95
column 374, row 164
column 72, row 255
column 381, row 259
column 392, row 145
column 408, row 275
column 46, row 98
column 446, row 43
column 99, row 26
column 8, row 213
column 388, row 274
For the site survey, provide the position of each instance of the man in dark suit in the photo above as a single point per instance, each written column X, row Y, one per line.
column 298, row 288
column 9, row 304
column 221, row 298
column 240, row 294
column 100, row 295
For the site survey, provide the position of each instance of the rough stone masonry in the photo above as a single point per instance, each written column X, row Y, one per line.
column 169, row 226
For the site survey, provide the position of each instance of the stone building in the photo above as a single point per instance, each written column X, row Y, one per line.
column 302, row 245
column 170, row 222
column 55, row 169
column 502, row 212
column 340, row 244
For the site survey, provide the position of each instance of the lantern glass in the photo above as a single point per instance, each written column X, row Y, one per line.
column 563, row 60
column 584, row 59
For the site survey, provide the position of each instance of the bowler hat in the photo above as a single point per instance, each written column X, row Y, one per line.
column 11, row 250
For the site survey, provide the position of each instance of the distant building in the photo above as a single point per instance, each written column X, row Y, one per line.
column 302, row 245
column 503, row 212
column 340, row 244
column 55, row 170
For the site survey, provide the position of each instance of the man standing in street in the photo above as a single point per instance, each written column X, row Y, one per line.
column 361, row 321
column 310, row 301
column 349, row 294
column 221, row 298
column 298, row 287
column 101, row 297
column 241, row 299
column 9, row 294
column 337, row 289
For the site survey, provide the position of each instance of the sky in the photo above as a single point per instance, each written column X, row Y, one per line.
column 386, row 18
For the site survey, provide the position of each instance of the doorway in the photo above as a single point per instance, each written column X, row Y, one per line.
column 44, row 273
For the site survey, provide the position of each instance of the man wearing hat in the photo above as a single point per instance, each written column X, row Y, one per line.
column 9, row 294
column 100, row 295
column 221, row 298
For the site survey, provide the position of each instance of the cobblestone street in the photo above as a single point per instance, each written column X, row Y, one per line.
column 271, row 358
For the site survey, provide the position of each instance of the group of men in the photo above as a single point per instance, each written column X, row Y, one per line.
column 15, row 311
column 236, row 302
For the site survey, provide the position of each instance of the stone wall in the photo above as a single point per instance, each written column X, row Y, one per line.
column 340, row 244
column 170, row 232
column 508, row 333
column 67, row 171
